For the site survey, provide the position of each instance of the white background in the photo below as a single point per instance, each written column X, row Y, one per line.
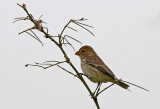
column 126, row 37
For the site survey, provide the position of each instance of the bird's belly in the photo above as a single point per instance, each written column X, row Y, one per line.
column 93, row 74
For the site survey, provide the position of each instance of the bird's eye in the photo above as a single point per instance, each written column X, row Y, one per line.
column 83, row 51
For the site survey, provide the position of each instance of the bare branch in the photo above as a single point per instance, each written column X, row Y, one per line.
column 38, row 26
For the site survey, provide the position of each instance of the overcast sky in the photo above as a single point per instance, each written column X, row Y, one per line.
column 127, row 38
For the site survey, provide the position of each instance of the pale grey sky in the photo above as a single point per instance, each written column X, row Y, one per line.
column 127, row 38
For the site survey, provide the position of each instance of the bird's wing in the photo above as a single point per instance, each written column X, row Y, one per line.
column 97, row 63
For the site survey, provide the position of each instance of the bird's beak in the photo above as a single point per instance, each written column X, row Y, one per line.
column 77, row 53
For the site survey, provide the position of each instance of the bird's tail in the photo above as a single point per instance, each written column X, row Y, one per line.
column 135, row 85
column 122, row 84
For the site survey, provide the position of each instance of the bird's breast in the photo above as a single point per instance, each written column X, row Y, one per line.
column 94, row 74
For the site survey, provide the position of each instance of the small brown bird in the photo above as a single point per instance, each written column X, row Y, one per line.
column 95, row 69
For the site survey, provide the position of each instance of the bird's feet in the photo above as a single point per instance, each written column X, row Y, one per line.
column 95, row 93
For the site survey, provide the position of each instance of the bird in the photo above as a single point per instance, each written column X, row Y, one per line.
column 95, row 69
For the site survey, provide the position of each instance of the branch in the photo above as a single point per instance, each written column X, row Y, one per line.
column 38, row 26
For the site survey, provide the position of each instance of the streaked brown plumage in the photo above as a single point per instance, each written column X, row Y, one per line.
column 95, row 68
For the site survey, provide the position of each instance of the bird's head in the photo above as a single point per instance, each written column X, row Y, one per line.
column 85, row 51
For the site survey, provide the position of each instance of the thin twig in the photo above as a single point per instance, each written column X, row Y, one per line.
column 69, row 44
column 35, row 65
column 67, row 71
column 74, row 39
column 20, row 18
column 40, row 17
column 83, row 28
column 55, row 64
column 25, row 30
column 60, row 36
column 82, row 19
column 34, row 37
column 62, row 39
column 44, row 64
column 72, row 29
column 37, row 37
column 84, row 24
column 50, row 61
